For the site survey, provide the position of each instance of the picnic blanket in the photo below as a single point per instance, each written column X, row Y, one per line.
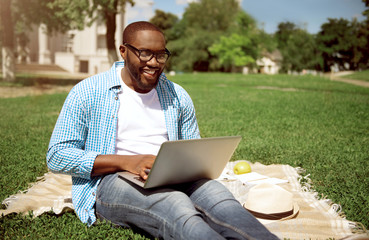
column 318, row 217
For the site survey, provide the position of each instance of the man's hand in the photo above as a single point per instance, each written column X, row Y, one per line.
column 140, row 164
column 137, row 164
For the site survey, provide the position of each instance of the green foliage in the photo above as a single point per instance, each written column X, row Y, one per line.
column 243, row 24
column 215, row 35
column 241, row 45
column 58, row 16
column 202, row 25
column 285, row 30
column 191, row 53
column 230, row 50
column 266, row 42
column 164, row 20
column 202, row 40
column 342, row 42
column 301, row 52
column 168, row 23
column 107, row 10
column 211, row 15
column 298, row 47
column 366, row 12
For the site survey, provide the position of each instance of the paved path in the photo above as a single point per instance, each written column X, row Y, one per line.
column 340, row 77
column 12, row 92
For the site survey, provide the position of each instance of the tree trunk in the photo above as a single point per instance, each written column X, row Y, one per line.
column 8, row 64
column 110, row 22
column 8, row 41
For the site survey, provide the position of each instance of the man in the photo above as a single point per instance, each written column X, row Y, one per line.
column 116, row 121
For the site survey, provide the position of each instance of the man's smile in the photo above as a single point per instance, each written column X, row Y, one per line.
column 152, row 72
column 149, row 72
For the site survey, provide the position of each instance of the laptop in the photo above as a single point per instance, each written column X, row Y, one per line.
column 187, row 160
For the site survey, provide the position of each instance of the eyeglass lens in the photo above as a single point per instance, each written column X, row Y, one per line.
column 147, row 55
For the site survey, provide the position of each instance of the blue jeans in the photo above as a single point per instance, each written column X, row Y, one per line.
column 204, row 209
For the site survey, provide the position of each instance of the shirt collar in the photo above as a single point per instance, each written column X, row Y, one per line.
column 113, row 77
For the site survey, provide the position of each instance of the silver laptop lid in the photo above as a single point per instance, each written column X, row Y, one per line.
column 189, row 160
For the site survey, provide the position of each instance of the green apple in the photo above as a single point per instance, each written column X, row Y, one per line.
column 242, row 167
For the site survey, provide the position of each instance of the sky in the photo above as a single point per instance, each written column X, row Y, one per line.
column 307, row 14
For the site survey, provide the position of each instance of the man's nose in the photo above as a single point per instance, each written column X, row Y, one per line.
column 153, row 62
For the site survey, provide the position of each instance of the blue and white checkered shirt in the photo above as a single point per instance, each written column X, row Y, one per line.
column 87, row 126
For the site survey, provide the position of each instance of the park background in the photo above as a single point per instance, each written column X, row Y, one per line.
column 300, row 116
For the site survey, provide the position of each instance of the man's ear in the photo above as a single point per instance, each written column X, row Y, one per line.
column 122, row 50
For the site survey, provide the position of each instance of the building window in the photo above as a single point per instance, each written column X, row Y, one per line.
column 101, row 42
column 83, row 66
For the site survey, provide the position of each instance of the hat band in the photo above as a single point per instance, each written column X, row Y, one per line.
column 271, row 216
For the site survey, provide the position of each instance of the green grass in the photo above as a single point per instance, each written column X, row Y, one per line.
column 363, row 75
column 304, row 121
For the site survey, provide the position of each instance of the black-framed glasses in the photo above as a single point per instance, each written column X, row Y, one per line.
column 146, row 55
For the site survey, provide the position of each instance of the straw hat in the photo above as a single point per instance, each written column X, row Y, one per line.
column 269, row 202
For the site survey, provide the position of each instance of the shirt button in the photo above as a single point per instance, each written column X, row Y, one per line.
column 93, row 194
column 116, row 98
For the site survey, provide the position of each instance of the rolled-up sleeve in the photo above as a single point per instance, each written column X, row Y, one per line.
column 188, row 122
column 66, row 153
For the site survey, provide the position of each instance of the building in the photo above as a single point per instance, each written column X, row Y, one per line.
column 75, row 51
column 270, row 63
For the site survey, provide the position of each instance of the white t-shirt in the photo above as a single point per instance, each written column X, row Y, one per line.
column 141, row 125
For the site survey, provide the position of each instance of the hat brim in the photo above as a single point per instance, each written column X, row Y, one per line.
column 296, row 210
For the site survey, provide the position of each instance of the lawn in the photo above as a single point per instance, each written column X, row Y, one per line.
column 363, row 75
column 304, row 121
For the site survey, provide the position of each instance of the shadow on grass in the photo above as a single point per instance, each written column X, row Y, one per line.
column 41, row 81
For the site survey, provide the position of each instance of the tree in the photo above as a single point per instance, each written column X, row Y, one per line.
column 109, row 9
column 340, row 44
column 231, row 51
column 60, row 16
column 166, row 22
column 57, row 15
column 366, row 11
column 8, row 61
column 285, row 29
column 266, row 42
column 360, row 47
column 301, row 52
column 240, row 45
column 364, row 34
column 19, row 15
column 298, row 48
column 67, row 15
column 202, row 25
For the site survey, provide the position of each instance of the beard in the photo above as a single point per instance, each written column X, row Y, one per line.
column 140, row 83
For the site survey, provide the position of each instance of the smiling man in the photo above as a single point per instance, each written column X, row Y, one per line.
column 116, row 121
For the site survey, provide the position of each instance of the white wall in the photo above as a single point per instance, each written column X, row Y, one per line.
column 66, row 60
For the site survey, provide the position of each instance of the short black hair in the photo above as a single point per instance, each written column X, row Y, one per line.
column 129, row 32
